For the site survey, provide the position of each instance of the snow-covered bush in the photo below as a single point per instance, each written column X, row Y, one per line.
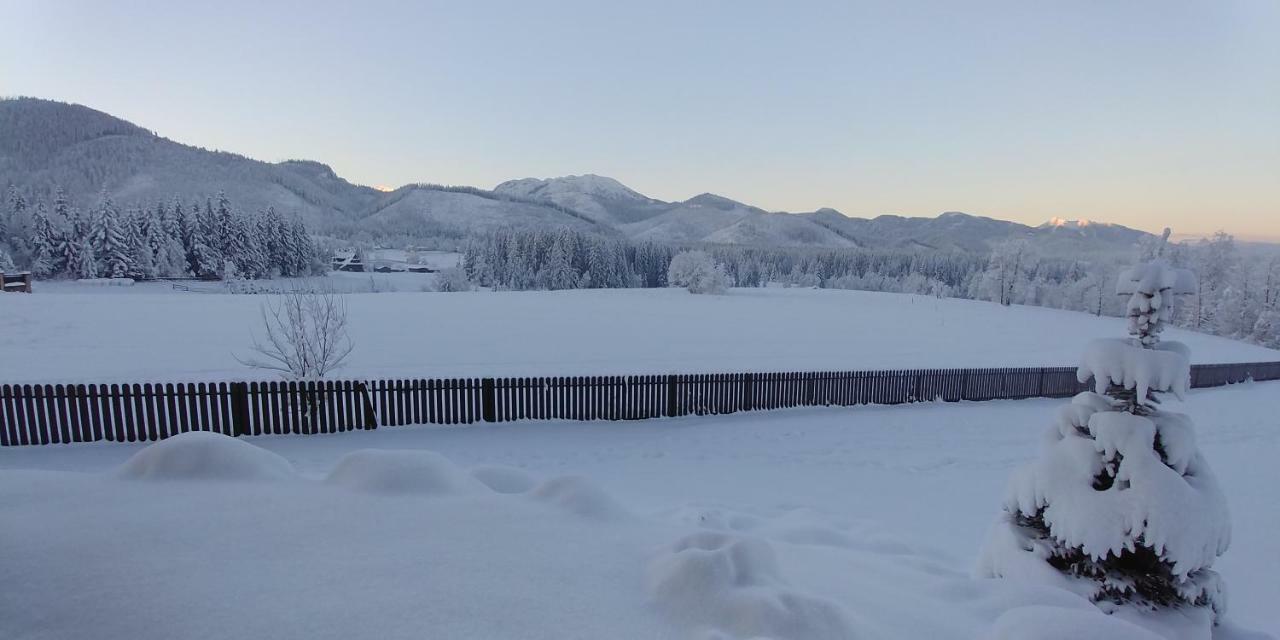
column 1121, row 507
column 452, row 279
column 697, row 272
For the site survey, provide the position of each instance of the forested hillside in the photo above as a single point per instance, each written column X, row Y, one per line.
column 46, row 146
column 212, row 240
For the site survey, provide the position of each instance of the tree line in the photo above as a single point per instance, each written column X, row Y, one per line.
column 210, row 240
column 1238, row 292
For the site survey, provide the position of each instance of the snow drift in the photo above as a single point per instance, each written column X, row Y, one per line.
column 578, row 495
column 403, row 472
column 731, row 584
column 504, row 479
column 202, row 455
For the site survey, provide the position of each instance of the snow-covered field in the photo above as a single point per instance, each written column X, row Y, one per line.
column 72, row 332
column 813, row 523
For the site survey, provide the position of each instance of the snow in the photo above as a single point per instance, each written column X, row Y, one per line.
column 804, row 524
column 105, row 282
column 205, row 456
column 1121, row 362
column 402, row 472
column 576, row 494
column 731, row 584
column 152, row 332
column 1061, row 623
column 1155, row 277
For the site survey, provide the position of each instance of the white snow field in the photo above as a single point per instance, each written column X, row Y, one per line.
column 68, row 332
column 801, row 524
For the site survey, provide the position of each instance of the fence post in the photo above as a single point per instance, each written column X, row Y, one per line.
column 488, row 400
column 748, row 391
column 671, row 396
column 1040, row 389
column 370, row 418
column 240, row 409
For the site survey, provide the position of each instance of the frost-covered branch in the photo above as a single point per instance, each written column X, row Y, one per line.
column 304, row 335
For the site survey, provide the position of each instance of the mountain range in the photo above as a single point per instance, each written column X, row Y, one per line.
column 45, row 145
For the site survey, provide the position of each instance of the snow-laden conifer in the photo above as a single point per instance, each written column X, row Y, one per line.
column 1121, row 506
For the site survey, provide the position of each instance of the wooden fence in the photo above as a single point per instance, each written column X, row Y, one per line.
column 58, row 413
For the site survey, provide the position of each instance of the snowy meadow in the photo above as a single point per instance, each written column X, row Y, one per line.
column 811, row 523
column 152, row 332
column 862, row 522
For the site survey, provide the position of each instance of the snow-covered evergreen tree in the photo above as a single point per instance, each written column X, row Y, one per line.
column 270, row 233
column 142, row 263
column 69, row 234
column 557, row 273
column 303, row 257
column 1121, row 507
column 108, row 241
column 11, row 218
column 86, row 265
column 43, row 244
column 207, row 259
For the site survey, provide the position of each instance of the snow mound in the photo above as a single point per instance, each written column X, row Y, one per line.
column 729, row 586
column 504, row 479
column 403, row 472
column 202, row 455
column 1058, row 623
column 580, row 496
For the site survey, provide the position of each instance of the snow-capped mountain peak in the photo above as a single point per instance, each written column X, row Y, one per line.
column 1078, row 224
column 587, row 184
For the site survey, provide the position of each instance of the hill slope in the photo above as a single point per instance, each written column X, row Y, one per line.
column 46, row 144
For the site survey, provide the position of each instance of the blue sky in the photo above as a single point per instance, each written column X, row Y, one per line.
column 1146, row 113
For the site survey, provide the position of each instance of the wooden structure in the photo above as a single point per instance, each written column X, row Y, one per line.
column 19, row 282
column 66, row 413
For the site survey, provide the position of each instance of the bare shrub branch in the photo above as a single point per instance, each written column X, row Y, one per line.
column 305, row 335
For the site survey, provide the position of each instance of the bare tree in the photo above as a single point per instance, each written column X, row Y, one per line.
column 306, row 335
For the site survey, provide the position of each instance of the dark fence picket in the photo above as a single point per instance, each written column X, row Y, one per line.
column 148, row 397
column 8, row 419
column 114, row 397
column 22, row 415
column 61, row 399
column 8, row 435
column 415, row 401
column 41, row 422
column 82, row 420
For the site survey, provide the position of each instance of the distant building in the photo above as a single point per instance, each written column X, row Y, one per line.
column 347, row 261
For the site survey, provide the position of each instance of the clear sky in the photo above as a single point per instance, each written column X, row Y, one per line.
column 1143, row 112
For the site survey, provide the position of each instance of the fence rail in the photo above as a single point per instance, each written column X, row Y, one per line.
column 67, row 413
